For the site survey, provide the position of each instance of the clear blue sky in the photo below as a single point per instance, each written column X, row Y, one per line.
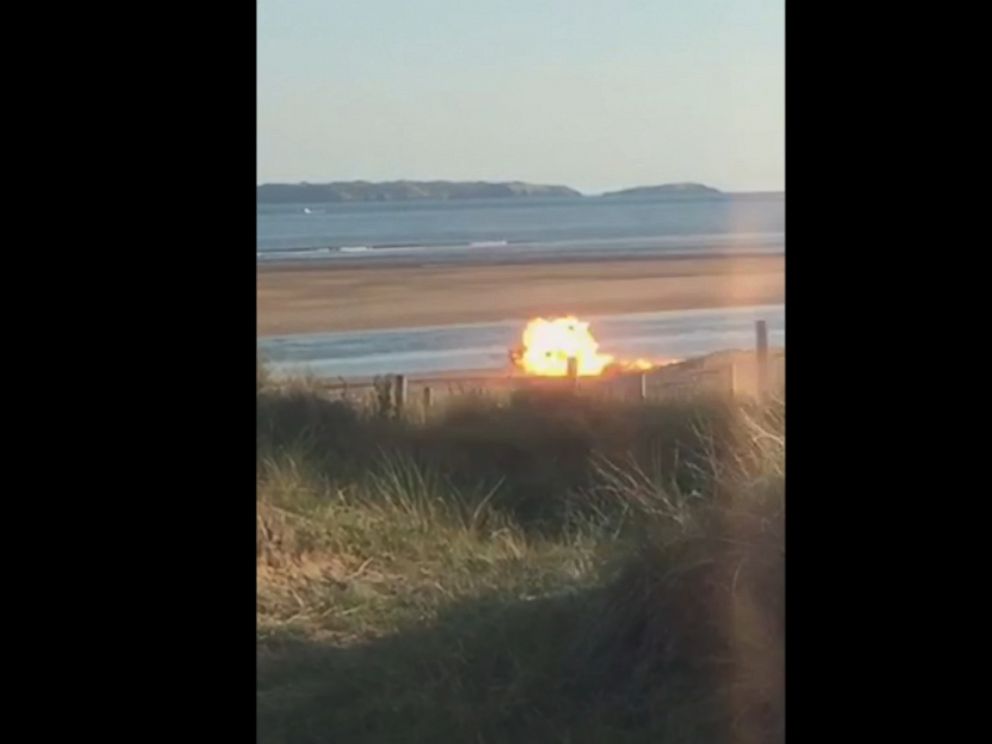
column 595, row 94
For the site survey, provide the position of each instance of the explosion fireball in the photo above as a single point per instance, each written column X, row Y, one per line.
column 549, row 344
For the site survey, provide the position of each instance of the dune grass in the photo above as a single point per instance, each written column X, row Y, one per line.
column 537, row 569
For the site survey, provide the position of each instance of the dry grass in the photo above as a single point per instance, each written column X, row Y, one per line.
column 409, row 590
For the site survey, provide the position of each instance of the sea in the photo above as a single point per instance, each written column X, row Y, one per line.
column 476, row 231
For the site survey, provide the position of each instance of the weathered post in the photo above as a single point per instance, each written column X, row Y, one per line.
column 573, row 372
column 382, row 394
column 427, row 398
column 399, row 393
column 762, row 358
column 642, row 386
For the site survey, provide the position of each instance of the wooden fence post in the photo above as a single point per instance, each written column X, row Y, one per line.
column 762, row 358
column 382, row 395
column 427, row 398
column 399, row 393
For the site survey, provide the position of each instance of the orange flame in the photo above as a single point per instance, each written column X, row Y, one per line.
column 641, row 365
column 549, row 344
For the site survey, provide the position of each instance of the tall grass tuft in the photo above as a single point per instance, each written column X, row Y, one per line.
column 702, row 599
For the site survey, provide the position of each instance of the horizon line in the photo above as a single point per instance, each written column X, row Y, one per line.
column 530, row 183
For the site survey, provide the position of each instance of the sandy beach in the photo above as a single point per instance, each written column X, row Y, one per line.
column 314, row 298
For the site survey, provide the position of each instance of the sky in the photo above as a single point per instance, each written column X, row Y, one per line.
column 592, row 94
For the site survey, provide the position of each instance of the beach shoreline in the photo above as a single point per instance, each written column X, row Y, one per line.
column 323, row 297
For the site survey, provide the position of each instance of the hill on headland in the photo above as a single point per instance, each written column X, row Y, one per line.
column 364, row 191
column 674, row 190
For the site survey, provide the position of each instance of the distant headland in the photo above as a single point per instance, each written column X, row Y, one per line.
column 367, row 191
column 364, row 191
column 669, row 190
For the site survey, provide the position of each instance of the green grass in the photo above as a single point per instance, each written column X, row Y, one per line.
column 540, row 569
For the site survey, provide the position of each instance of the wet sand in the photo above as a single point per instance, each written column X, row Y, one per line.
column 321, row 297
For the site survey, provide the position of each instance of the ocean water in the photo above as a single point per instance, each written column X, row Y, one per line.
column 520, row 229
column 485, row 346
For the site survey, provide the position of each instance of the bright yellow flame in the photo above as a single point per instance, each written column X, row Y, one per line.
column 548, row 345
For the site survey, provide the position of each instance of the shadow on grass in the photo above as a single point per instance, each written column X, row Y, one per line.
column 497, row 670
